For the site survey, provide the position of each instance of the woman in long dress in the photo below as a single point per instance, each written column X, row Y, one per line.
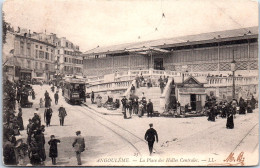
column 230, row 118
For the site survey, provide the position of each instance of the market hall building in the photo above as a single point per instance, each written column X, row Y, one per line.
column 207, row 53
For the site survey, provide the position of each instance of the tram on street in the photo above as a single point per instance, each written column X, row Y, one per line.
column 74, row 90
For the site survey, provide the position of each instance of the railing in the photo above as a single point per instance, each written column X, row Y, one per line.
column 123, row 79
column 111, row 86
column 228, row 81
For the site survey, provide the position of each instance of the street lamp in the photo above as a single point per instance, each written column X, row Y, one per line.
column 233, row 69
column 184, row 69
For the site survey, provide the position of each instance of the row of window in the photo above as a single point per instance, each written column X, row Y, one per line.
column 72, row 69
column 73, row 60
column 70, row 53
column 44, row 55
column 47, row 49
column 42, row 66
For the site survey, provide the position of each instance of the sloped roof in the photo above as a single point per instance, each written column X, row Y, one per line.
column 200, row 79
column 177, row 40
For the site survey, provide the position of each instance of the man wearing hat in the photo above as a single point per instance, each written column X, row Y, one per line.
column 79, row 146
column 62, row 115
column 150, row 136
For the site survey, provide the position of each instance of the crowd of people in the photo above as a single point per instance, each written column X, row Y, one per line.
column 133, row 106
column 18, row 150
column 148, row 82
column 228, row 110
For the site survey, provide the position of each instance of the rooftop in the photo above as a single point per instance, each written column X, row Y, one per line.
column 161, row 43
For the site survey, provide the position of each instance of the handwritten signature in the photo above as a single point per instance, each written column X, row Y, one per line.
column 232, row 160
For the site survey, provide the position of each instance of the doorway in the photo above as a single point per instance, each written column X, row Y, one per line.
column 158, row 64
column 193, row 102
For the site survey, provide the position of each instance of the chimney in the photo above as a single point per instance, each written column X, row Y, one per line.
column 29, row 33
column 18, row 31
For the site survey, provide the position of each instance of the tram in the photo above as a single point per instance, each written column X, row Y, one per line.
column 74, row 90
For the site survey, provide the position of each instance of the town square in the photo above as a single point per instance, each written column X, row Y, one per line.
column 122, row 83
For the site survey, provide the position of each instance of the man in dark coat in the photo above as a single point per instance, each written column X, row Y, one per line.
column 46, row 94
column 56, row 97
column 47, row 116
column 62, row 115
column 79, row 146
column 92, row 97
column 123, row 101
column 132, row 89
column 149, row 109
column 36, row 117
column 150, row 136
column 40, row 140
column 20, row 119
column 53, row 153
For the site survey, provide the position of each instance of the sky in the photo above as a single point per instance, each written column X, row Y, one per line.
column 92, row 23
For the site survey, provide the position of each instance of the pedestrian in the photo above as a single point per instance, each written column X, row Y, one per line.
column 212, row 113
column 161, row 86
column 144, row 109
column 46, row 94
column 9, row 153
column 135, row 106
column 79, row 146
column 21, row 150
column 53, row 152
column 36, row 117
column 41, row 103
column 92, row 97
column 132, row 90
column 62, row 115
column 230, row 119
column 150, row 137
column 124, row 101
column 20, row 119
column 149, row 82
column 56, row 97
column 253, row 102
column 137, row 81
column 47, row 116
column 47, row 101
column 242, row 107
column 33, row 95
column 149, row 109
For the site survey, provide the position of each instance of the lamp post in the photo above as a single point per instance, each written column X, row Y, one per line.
column 184, row 69
column 233, row 69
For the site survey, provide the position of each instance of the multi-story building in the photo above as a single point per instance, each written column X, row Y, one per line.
column 68, row 56
column 31, row 55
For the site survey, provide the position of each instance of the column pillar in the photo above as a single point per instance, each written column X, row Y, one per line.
column 248, row 55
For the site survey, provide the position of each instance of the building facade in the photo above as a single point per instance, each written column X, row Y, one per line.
column 30, row 56
column 68, row 57
column 206, row 53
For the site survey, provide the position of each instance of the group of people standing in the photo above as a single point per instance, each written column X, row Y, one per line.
column 228, row 110
column 133, row 106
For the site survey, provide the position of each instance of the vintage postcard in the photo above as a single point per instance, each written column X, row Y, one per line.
column 130, row 83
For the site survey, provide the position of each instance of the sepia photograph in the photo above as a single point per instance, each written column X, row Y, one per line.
column 130, row 83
